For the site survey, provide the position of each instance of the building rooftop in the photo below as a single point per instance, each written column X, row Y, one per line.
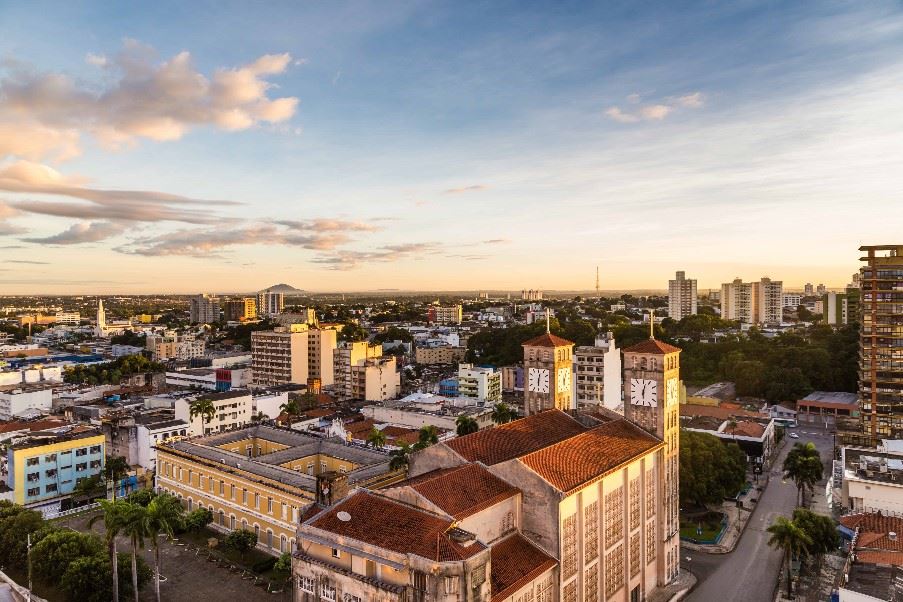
column 547, row 340
column 838, row 398
column 515, row 563
column 379, row 521
column 56, row 435
column 463, row 490
column 652, row 346
column 517, row 438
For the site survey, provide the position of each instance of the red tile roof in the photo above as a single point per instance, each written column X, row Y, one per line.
column 37, row 425
column 515, row 563
column 692, row 409
column 874, row 530
column 463, row 490
column 572, row 463
column 880, row 557
column 395, row 526
column 652, row 346
column 520, row 437
column 547, row 340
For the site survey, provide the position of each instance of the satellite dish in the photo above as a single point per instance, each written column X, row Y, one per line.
column 343, row 516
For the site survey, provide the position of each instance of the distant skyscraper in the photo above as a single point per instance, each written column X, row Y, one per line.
column 681, row 297
column 808, row 290
column 270, row 303
column 204, row 309
column 821, row 289
column 753, row 302
column 881, row 342
column 531, row 295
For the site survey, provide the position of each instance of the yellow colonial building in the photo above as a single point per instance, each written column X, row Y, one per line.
column 260, row 478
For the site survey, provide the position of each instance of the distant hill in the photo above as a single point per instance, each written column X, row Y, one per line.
column 284, row 288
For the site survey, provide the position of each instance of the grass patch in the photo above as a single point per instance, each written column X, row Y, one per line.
column 704, row 527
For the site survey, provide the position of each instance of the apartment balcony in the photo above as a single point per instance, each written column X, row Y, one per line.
column 315, row 566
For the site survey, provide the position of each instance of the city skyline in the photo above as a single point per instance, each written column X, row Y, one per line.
column 445, row 147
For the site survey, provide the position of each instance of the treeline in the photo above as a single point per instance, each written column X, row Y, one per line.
column 111, row 373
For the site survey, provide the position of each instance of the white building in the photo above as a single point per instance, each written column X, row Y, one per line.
column 154, row 433
column 362, row 372
column 791, row 300
column 483, row 384
column 204, row 309
column 206, row 378
column 681, row 297
column 33, row 374
column 597, row 373
column 871, row 480
column 269, row 404
column 69, row 318
column 753, row 302
column 232, row 409
column 171, row 346
column 18, row 400
column 270, row 303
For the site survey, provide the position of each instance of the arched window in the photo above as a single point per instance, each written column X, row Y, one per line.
column 232, row 522
column 269, row 539
column 283, row 543
column 652, row 363
column 190, row 504
column 222, row 518
column 244, row 524
column 643, row 364
column 257, row 531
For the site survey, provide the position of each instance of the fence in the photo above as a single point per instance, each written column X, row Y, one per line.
column 72, row 511
column 19, row 593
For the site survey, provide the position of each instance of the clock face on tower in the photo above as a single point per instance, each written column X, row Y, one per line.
column 538, row 380
column 564, row 379
column 671, row 393
column 643, row 392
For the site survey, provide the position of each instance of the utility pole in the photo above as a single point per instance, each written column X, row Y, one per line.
column 29, row 567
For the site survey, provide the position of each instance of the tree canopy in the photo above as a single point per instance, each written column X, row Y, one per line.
column 710, row 470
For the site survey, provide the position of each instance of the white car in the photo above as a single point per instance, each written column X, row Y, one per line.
column 793, row 436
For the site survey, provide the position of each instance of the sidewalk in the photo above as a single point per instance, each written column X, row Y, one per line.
column 674, row 591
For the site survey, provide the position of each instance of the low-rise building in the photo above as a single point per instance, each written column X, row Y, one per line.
column 19, row 400
column 826, row 406
column 362, row 372
column 261, row 478
column 439, row 354
column 874, row 567
column 231, row 410
column 135, row 435
column 756, row 438
column 174, row 347
column 870, row 479
column 210, row 379
column 424, row 409
column 481, row 383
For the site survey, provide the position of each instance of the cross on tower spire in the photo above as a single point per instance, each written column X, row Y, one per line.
column 548, row 322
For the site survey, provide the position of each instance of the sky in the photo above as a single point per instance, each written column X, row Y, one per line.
column 182, row 147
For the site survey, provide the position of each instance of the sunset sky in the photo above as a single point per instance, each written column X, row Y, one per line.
column 343, row 146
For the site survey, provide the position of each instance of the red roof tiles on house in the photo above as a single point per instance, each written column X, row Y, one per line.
column 520, row 437
column 652, row 346
column 463, row 490
column 547, row 340
column 382, row 522
column 875, row 529
column 572, row 463
column 515, row 563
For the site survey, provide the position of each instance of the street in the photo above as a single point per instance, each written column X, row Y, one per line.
column 750, row 572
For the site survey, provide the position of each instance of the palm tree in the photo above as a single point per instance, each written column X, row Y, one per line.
column 804, row 467
column 114, row 513
column 466, row 425
column 400, row 457
column 376, row 438
column 135, row 527
column 428, row 435
column 203, row 407
column 501, row 413
column 785, row 534
column 291, row 407
column 164, row 515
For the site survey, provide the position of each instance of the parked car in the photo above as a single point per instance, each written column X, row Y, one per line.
column 794, row 436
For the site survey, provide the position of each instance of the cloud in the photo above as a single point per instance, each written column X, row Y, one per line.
column 147, row 99
column 654, row 112
column 81, row 233
column 473, row 188
column 495, row 241
column 317, row 234
column 27, row 261
column 347, row 260
column 98, row 60
column 7, row 229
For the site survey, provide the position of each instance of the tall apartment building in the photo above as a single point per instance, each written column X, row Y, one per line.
column 597, row 373
column 483, row 384
column 240, row 309
column 171, row 346
column 280, row 357
column 204, row 309
column 809, row 290
column 753, row 302
column 531, row 295
column 362, row 372
column 439, row 314
column 681, row 297
column 836, row 309
column 321, row 346
column 881, row 342
column 270, row 303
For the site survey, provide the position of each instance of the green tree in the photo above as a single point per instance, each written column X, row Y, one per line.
column 16, row 524
column 399, row 457
column 376, row 438
column 790, row 538
column 88, row 579
column 821, row 530
column 353, row 332
column 52, row 555
column 164, row 515
column 426, row 436
column 710, row 469
column 135, row 527
column 291, row 407
column 204, row 408
column 142, row 497
column 283, row 564
column 502, row 413
column 241, row 540
column 804, row 467
column 466, row 425
column 197, row 519
column 115, row 468
column 113, row 519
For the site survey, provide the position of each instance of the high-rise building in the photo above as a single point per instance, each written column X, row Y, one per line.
column 240, row 309
column 791, row 300
column 808, row 290
column 770, row 295
column 484, row 384
column 597, row 373
column 836, row 309
column 753, row 302
column 321, row 346
column 547, row 365
column 101, row 328
column 821, row 289
column 681, row 297
column 652, row 401
column 204, row 309
column 270, row 303
column 881, row 342
column 452, row 314
column 362, row 372
column 279, row 357
column 531, row 295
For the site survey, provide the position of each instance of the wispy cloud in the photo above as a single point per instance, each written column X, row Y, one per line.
column 83, row 232
column 653, row 111
column 26, row 261
column 347, row 260
column 473, row 188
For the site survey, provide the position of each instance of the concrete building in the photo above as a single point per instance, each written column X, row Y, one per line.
column 597, row 374
column 835, row 309
column 770, row 295
column 548, row 366
column 791, row 300
column 239, row 310
column 31, row 374
column 682, row 297
column 279, row 357
column 171, row 346
column 22, row 399
column 321, row 346
column 261, row 478
column 452, row 314
column 881, row 342
column 482, row 384
column 753, row 302
column 512, row 378
column 270, row 303
column 425, row 409
column 210, row 379
column 232, row 410
column 531, row 295
column 135, row 435
column 439, row 354
column 204, row 309
column 47, row 465
column 827, row 406
column 871, row 479
column 362, row 372
column 68, row 318
column 873, row 570
column 756, row 438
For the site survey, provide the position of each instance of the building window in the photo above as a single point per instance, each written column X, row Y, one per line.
column 451, row 584
column 244, row 496
column 82, row 466
column 419, row 578
column 634, row 554
column 232, row 522
column 310, row 468
column 269, row 539
column 50, row 458
column 222, row 518
column 34, row 492
column 591, row 583
column 545, row 591
column 257, row 501
column 478, row 576
column 257, row 531
column 95, row 463
column 569, row 547
column 50, row 474
column 95, row 449
column 591, row 532
column 33, row 477
column 232, row 491
column 614, row 517
column 508, row 522
column 270, row 505
column 650, row 541
column 614, row 571
column 350, row 598
column 650, row 493
column 32, row 461
column 336, row 553
column 82, row 451
column 222, row 488
column 327, row 592
column 307, row 585
column 50, row 488
column 635, row 503
column 569, row 593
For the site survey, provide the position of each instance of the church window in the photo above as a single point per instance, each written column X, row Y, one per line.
column 650, row 541
column 591, row 531
column 569, row 547
column 635, row 503
column 634, row 554
column 614, row 571
column 650, row 493
column 614, row 517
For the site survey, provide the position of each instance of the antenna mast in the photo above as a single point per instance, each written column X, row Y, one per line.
column 598, row 294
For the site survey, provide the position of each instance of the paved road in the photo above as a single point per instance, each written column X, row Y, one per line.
column 750, row 572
